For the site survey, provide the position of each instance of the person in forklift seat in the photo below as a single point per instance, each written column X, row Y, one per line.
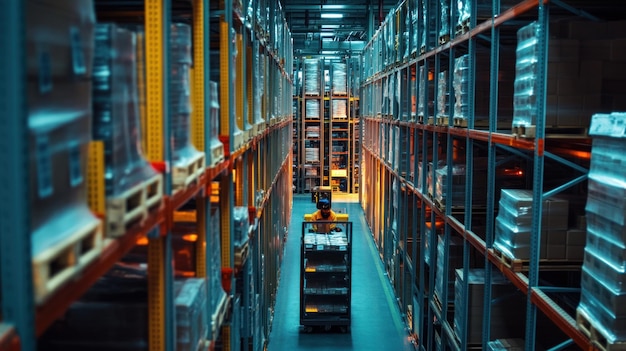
column 326, row 214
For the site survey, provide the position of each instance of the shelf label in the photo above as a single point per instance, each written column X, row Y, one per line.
column 320, row 247
column 342, row 248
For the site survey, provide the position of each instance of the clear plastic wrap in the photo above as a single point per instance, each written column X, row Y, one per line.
column 312, row 79
column 339, row 108
column 442, row 94
column 463, row 14
column 454, row 260
column 241, row 225
column 191, row 313
column 605, row 260
column 421, row 91
column 604, row 307
column 444, row 21
column 525, row 85
column 424, row 29
column 183, row 151
column 312, row 109
column 116, row 109
column 461, row 88
column 259, row 86
column 59, row 44
column 217, row 148
column 340, row 81
column 311, row 154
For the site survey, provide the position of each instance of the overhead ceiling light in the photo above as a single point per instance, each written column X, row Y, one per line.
column 331, row 26
column 332, row 15
column 333, row 7
column 327, row 34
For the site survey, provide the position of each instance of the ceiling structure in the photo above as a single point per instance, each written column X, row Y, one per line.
column 332, row 27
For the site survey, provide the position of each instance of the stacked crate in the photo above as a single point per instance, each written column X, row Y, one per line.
column 601, row 312
column 191, row 313
column 513, row 228
column 65, row 235
column 507, row 320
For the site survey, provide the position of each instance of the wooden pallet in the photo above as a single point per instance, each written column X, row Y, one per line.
column 431, row 121
column 219, row 316
column 241, row 254
column 526, row 132
column 133, row 205
column 443, row 121
column 460, row 122
column 217, row 154
column 420, row 119
column 519, row 265
column 185, row 174
column 61, row 262
column 588, row 327
column 443, row 39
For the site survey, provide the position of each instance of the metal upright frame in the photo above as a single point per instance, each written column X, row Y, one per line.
column 15, row 233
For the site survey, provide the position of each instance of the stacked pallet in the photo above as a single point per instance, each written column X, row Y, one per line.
column 65, row 235
column 513, row 228
column 526, row 80
column 601, row 313
column 339, row 80
column 312, row 109
column 133, row 187
column 505, row 321
column 461, row 90
column 312, row 79
column 188, row 163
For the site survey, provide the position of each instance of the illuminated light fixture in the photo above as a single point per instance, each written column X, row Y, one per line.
column 333, row 7
column 327, row 34
column 332, row 15
column 331, row 26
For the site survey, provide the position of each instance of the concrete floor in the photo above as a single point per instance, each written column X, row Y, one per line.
column 376, row 322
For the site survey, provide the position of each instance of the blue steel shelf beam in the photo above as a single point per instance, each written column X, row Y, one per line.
column 15, row 233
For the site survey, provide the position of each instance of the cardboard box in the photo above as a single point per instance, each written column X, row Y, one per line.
column 556, row 237
column 588, row 30
column 59, row 40
column 576, row 237
column 551, row 109
column 590, row 76
column 616, row 29
column 595, row 49
column 556, row 252
column 569, row 110
column 568, row 86
column 575, row 252
column 565, row 50
column 618, row 49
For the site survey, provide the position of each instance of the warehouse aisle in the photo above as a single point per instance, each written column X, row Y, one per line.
column 376, row 322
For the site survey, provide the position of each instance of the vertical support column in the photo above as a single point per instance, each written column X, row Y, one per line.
column 202, row 212
column 200, row 82
column 491, row 160
column 15, row 232
column 249, row 78
column 240, row 91
column 240, row 180
column 225, row 79
column 156, row 293
column 160, row 275
column 226, row 206
column 538, row 171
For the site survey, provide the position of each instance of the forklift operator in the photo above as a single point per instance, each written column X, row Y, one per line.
column 324, row 213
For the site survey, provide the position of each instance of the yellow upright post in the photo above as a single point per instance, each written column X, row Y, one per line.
column 198, row 83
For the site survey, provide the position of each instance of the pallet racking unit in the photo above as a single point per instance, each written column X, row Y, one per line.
column 253, row 167
column 413, row 129
column 328, row 125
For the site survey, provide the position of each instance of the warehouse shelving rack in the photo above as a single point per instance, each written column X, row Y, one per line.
column 337, row 167
column 250, row 174
column 396, row 177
